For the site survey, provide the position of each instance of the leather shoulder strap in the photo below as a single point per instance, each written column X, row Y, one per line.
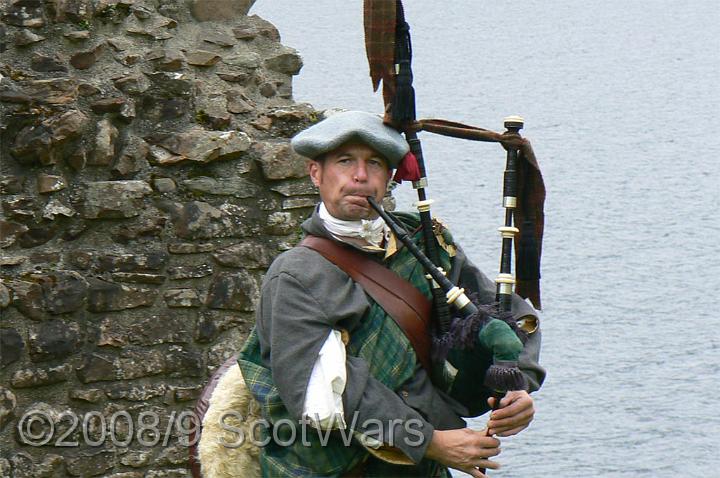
column 399, row 298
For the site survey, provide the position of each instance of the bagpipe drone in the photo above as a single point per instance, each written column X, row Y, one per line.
column 389, row 52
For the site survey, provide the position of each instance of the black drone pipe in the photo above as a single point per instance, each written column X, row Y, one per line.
column 403, row 114
column 505, row 280
column 454, row 295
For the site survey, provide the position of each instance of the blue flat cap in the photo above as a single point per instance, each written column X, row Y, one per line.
column 340, row 128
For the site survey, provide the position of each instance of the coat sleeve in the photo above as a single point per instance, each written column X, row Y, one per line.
column 298, row 308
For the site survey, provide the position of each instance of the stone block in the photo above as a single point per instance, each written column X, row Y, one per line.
column 108, row 296
column 171, row 85
column 56, row 91
column 64, row 291
column 248, row 60
column 246, row 255
column 173, row 455
column 295, row 188
column 253, row 26
column 207, row 329
column 136, row 458
column 299, row 203
column 232, row 186
column 19, row 207
column 132, row 157
column 141, row 393
column 85, row 59
column 47, row 183
column 90, row 464
column 91, row 395
column 138, row 278
column 202, row 58
column 28, row 298
column 11, row 346
column 234, row 291
column 190, row 272
column 286, row 60
column 26, row 37
column 105, row 138
column 96, row 367
column 200, row 220
column 157, row 28
column 279, row 161
column 281, row 223
column 234, row 77
column 55, row 339
column 55, row 208
column 182, row 362
column 238, row 102
column 4, row 296
column 24, row 14
column 220, row 10
column 151, row 261
column 10, row 232
column 47, row 64
column 11, row 184
column 185, row 297
column 132, row 84
column 8, row 403
column 114, row 199
column 145, row 330
column 108, row 105
column 33, row 144
column 268, row 89
column 205, row 146
column 219, row 38
column 164, row 185
column 36, row 377
column 190, row 248
column 78, row 35
column 166, row 60
column 172, row 473
column 87, row 90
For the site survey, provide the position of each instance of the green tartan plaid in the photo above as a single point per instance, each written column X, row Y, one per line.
column 391, row 359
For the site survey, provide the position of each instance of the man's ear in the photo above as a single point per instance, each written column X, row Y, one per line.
column 315, row 171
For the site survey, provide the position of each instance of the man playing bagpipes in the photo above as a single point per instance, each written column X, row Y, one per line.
column 345, row 347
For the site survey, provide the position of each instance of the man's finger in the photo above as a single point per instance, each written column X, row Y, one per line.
column 516, row 408
column 474, row 472
column 513, row 432
column 512, row 421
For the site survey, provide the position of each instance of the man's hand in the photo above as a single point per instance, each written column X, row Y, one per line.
column 464, row 449
column 514, row 416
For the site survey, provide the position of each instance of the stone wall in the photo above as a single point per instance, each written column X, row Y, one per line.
column 146, row 182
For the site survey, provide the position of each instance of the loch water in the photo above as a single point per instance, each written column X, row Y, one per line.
column 622, row 103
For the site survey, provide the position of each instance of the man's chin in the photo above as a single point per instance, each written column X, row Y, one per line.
column 356, row 213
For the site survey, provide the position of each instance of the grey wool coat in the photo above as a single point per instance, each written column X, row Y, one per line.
column 304, row 296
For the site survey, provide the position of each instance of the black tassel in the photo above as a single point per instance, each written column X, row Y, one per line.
column 505, row 376
column 403, row 107
column 528, row 261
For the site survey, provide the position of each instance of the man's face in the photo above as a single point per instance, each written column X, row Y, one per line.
column 347, row 176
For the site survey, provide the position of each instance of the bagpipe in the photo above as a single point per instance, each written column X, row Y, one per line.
column 389, row 52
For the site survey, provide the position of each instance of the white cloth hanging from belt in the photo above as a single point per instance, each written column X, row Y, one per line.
column 323, row 400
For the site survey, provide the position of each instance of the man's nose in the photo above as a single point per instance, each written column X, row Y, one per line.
column 361, row 172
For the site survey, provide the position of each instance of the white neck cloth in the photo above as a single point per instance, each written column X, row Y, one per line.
column 371, row 231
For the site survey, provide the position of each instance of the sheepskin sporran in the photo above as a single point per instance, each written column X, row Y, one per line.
column 232, row 404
